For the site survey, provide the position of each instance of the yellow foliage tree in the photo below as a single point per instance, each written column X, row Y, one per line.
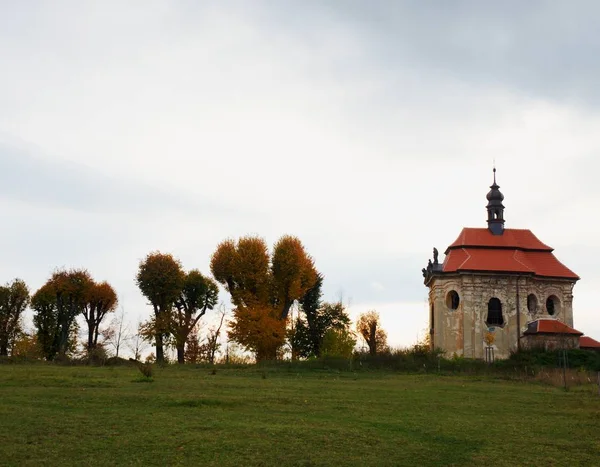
column 263, row 288
column 369, row 327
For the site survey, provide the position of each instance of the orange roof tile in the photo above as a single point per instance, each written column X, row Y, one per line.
column 550, row 326
column 515, row 251
column 586, row 342
column 511, row 238
column 542, row 264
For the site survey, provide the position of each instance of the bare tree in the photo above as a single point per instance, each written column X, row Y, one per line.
column 137, row 344
column 117, row 333
column 212, row 340
column 204, row 349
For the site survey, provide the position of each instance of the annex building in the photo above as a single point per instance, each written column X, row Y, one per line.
column 500, row 289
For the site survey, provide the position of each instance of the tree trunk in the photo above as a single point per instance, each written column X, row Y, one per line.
column 90, row 345
column 181, row 354
column 63, row 340
column 3, row 350
column 160, row 356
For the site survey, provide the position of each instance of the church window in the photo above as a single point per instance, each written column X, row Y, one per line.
column 532, row 303
column 494, row 315
column 552, row 305
column 452, row 300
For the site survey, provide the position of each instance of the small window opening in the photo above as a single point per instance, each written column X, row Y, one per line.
column 452, row 300
column 552, row 305
column 494, row 316
column 532, row 303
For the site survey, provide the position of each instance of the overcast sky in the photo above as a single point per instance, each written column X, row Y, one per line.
column 367, row 129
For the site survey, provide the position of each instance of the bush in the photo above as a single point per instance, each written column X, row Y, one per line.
column 145, row 369
column 539, row 358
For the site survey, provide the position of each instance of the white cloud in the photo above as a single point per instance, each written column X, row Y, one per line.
column 231, row 119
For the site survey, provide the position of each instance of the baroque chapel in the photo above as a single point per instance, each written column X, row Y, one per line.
column 496, row 289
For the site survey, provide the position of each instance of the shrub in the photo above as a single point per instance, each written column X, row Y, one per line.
column 145, row 369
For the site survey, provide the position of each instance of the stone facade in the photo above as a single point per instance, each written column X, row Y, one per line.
column 550, row 341
column 460, row 328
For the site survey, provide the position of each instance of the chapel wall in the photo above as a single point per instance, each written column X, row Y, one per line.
column 462, row 331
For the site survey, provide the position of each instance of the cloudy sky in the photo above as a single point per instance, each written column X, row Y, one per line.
column 368, row 129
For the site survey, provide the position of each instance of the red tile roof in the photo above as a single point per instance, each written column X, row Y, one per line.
column 550, row 326
column 511, row 238
column 586, row 342
column 517, row 251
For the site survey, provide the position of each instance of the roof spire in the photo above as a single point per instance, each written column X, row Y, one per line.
column 495, row 208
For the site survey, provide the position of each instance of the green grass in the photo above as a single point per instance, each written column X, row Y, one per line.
column 52, row 415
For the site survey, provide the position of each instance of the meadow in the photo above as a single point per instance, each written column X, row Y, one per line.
column 78, row 415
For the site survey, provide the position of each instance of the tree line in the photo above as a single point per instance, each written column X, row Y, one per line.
column 276, row 299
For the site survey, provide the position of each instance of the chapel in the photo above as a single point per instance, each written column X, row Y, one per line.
column 499, row 289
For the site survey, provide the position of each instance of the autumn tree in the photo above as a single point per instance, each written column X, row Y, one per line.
column 160, row 278
column 101, row 300
column 263, row 288
column 14, row 298
column 26, row 346
column 57, row 304
column 197, row 295
column 369, row 327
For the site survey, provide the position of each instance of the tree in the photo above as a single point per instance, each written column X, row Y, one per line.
column 45, row 320
column 369, row 327
column 160, row 279
column 101, row 299
column 57, row 304
column 14, row 298
column 137, row 344
column 26, row 346
column 194, row 349
column 338, row 343
column 262, row 290
column 197, row 295
column 308, row 334
column 49, row 322
column 318, row 318
column 117, row 333
column 212, row 340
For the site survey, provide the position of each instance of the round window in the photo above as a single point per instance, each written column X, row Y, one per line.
column 452, row 300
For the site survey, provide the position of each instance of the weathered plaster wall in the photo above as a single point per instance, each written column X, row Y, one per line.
column 550, row 342
column 462, row 331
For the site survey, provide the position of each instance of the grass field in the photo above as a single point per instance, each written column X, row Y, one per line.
column 52, row 415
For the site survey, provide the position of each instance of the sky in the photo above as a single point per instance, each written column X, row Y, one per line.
column 367, row 129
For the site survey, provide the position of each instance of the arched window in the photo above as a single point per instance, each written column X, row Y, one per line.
column 532, row 303
column 552, row 305
column 494, row 316
column 452, row 300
